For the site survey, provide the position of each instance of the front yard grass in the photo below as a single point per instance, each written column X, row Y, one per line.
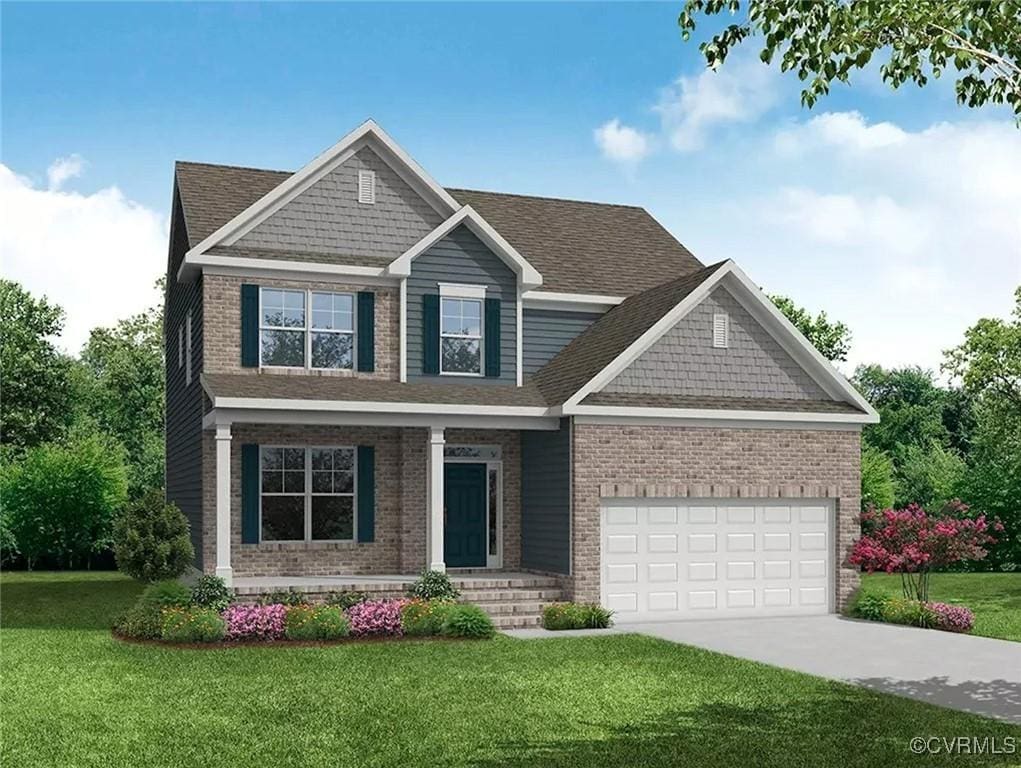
column 995, row 598
column 71, row 695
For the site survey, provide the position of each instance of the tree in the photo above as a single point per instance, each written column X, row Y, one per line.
column 832, row 339
column 877, row 486
column 928, row 477
column 60, row 500
column 988, row 363
column 913, row 543
column 35, row 397
column 910, row 407
column 826, row 40
column 151, row 539
column 120, row 389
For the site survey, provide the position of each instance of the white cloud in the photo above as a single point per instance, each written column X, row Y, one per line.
column 621, row 143
column 739, row 92
column 64, row 169
column 907, row 236
column 96, row 255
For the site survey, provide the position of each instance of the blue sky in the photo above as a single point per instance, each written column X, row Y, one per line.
column 894, row 211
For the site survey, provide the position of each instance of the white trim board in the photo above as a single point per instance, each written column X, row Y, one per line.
column 570, row 302
column 706, row 417
column 764, row 311
column 528, row 276
column 364, row 406
column 239, row 266
column 226, row 416
column 367, row 134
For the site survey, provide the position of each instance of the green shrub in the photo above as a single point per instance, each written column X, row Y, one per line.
column 283, row 597
column 169, row 593
column 466, row 620
column 869, row 605
column 911, row 612
column 211, row 592
column 143, row 621
column 594, row 616
column 192, row 625
column 346, row 599
column 151, row 539
column 421, row 618
column 60, row 500
column 562, row 616
column 434, row 585
column 320, row 622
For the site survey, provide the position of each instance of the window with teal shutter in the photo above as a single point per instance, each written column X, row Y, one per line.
column 366, row 331
column 493, row 338
column 249, row 494
column 431, row 333
column 366, row 493
column 250, row 326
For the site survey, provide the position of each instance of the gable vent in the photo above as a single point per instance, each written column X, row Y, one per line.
column 367, row 187
column 721, row 330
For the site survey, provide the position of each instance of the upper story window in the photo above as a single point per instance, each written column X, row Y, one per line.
column 295, row 338
column 461, row 329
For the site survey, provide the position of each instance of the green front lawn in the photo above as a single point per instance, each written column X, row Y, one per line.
column 995, row 598
column 73, row 696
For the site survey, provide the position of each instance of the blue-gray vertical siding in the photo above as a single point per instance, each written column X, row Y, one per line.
column 183, row 431
column 546, row 499
column 547, row 331
column 462, row 258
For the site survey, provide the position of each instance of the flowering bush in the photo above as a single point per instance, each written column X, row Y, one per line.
column 913, row 543
column 952, row 618
column 376, row 617
column 191, row 625
column 255, row 622
column 315, row 622
column 434, row 585
column 914, row 613
column 420, row 618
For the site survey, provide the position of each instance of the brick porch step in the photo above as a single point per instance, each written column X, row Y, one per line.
column 512, row 595
column 517, row 622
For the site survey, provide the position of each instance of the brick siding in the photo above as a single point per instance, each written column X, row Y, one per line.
column 612, row 460
column 222, row 333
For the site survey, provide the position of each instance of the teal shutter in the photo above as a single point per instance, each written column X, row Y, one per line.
column 431, row 333
column 493, row 338
column 250, row 326
column 366, row 331
column 249, row 494
column 366, row 491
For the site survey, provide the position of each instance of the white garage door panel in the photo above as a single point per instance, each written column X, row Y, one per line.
column 676, row 559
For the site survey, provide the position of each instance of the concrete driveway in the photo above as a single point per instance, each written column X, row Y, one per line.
column 971, row 674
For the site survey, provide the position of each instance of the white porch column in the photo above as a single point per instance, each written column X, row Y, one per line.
column 223, row 569
column 434, row 505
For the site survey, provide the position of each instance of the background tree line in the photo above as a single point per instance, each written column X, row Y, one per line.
column 83, row 436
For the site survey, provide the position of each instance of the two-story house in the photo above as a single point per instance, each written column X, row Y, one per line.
column 369, row 374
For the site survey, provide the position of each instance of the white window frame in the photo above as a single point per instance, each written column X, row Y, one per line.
column 187, row 350
column 464, row 292
column 308, row 493
column 308, row 330
column 492, row 457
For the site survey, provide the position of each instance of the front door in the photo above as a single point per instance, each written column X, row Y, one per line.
column 464, row 537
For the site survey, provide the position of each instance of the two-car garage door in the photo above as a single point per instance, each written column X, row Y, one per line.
column 667, row 559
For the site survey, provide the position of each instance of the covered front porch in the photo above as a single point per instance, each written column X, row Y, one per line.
column 302, row 496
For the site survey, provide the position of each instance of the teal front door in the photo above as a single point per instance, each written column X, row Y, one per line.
column 464, row 533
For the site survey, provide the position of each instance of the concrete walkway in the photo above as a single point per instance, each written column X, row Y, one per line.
column 971, row 674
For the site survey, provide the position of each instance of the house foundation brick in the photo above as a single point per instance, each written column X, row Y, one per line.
column 700, row 462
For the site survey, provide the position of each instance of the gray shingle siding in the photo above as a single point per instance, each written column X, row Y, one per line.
column 461, row 257
column 327, row 217
column 547, row 331
column 546, row 499
column 684, row 361
column 184, row 401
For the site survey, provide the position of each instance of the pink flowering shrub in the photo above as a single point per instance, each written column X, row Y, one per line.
column 952, row 618
column 913, row 543
column 255, row 622
column 376, row 617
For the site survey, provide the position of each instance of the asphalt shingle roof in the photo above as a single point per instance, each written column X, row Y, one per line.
column 578, row 247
